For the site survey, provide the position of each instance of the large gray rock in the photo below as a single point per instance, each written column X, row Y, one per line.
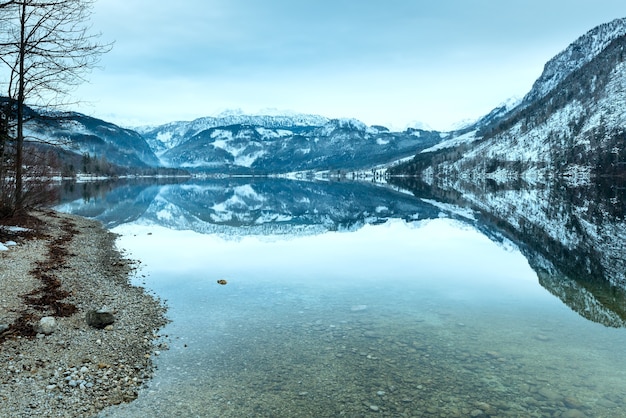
column 47, row 325
column 100, row 318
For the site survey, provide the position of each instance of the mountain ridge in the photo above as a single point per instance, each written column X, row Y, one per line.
column 166, row 136
column 571, row 123
column 578, row 53
column 337, row 145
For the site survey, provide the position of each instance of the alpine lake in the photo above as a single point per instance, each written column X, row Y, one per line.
column 362, row 300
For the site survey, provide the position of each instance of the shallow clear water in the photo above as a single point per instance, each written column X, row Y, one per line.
column 400, row 319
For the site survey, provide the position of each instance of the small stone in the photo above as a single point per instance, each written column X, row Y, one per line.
column 573, row 413
column 476, row 413
column 484, row 406
column 549, row 394
column 3, row 327
column 572, row 402
column 47, row 325
column 381, row 393
column 374, row 408
column 99, row 319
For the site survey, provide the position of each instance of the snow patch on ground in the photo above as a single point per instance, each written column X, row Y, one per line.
column 455, row 141
column 248, row 160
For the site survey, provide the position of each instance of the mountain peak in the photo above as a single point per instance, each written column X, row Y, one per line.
column 577, row 54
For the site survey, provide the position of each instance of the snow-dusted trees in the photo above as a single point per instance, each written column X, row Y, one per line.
column 46, row 48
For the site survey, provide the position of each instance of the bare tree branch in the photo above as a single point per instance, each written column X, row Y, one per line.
column 46, row 48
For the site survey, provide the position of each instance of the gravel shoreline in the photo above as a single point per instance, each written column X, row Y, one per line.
column 71, row 267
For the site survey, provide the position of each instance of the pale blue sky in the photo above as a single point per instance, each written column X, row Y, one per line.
column 391, row 62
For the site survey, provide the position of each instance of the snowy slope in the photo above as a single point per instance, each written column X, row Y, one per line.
column 577, row 54
column 165, row 137
column 336, row 145
column 576, row 125
column 572, row 124
column 82, row 134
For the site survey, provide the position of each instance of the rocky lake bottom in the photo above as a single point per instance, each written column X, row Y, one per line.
column 337, row 325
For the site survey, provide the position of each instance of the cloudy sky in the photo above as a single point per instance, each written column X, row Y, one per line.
column 391, row 62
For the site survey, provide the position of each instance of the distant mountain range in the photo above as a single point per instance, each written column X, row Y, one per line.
column 282, row 144
column 234, row 143
column 572, row 123
column 165, row 137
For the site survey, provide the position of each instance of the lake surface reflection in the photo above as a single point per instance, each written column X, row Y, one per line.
column 354, row 300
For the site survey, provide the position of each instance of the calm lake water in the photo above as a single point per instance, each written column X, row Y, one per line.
column 347, row 299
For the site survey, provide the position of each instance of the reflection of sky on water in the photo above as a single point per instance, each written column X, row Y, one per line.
column 436, row 253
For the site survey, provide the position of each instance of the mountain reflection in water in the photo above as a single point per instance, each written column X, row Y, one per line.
column 574, row 238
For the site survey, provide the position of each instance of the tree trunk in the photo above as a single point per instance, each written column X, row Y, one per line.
column 19, row 140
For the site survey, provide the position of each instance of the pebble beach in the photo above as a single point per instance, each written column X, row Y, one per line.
column 52, row 362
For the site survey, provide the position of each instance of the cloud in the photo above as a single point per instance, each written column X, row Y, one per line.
column 438, row 62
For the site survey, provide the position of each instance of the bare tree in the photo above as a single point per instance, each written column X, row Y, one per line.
column 47, row 48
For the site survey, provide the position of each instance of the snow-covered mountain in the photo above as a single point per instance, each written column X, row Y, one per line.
column 577, row 54
column 279, row 144
column 230, row 143
column 80, row 134
column 546, row 172
column 572, row 123
column 165, row 137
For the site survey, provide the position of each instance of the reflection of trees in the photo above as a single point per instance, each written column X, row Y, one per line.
column 573, row 237
column 112, row 202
